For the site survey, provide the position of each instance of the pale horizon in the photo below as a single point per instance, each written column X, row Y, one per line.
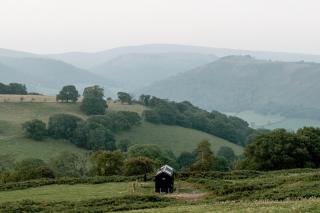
column 46, row 26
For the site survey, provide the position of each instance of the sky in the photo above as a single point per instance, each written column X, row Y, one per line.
column 53, row 26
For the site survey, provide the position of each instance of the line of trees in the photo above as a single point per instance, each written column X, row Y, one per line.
column 186, row 115
column 140, row 159
column 95, row 133
column 13, row 88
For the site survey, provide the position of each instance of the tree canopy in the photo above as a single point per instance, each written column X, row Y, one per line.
column 93, row 102
column 68, row 93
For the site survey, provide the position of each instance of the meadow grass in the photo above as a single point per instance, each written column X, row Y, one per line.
column 175, row 138
column 76, row 192
column 305, row 205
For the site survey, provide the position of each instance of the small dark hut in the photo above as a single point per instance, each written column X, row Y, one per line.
column 164, row 179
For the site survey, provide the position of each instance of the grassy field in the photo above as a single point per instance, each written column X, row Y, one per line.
column 175, row 138
column 305, row 205
column 12, row 140
column 76, row 192
column 197, row 194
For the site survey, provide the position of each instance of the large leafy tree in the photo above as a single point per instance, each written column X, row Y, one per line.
column 105, row 163
column 205, row 157
column 227, row 153
column 93, row 136
column 69, row 164
column 93, row 102
column 125, row 97
column 139, row 166
column 68, row 93
column 278, row 149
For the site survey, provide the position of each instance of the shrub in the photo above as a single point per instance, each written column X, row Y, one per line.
column 62, row 125
column 35, row 129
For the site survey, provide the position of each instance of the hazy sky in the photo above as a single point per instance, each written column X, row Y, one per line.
column 46, row 26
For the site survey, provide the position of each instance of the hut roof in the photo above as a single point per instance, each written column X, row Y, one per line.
column 165, row 169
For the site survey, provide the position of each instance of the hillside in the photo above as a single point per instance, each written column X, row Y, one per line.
column 241, row 83
column 46, row 75
column 175, row 138
column 134, row 71
column 12, row 141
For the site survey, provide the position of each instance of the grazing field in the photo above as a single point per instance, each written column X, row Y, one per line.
column 12, row 140
column 175, row 138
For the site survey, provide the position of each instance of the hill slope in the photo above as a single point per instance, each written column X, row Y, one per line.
column 134, row 71
column 240, row 83
column 12, row 115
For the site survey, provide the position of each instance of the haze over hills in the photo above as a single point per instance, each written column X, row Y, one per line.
column 46, row 75
column 240, row 83
column 90, row 60
column 232, row 84
column 133, row 71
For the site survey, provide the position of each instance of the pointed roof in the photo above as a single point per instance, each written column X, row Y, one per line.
column 165, row 169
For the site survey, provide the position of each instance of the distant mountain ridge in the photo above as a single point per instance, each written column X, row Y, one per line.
column 136, row 70
column 46, row 75
column 239, row 83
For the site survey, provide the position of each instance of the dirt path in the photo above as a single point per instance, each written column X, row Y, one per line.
column 188, row 196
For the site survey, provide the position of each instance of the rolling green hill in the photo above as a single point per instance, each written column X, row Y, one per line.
column 242, row 83
column 175, row 138
column 12, row 140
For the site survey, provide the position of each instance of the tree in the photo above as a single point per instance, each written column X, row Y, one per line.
column 139, row 166
column 125, row 97
column 32, row 168
column 278, row 149
column 93, row 102
column 153, row 152
column 123, row 145
column 145, row 99
column 152, row 116
column 69, row 164
column 63, row 125
column 205, row 158
column 310, row 137
column 68, row 93
column 105, row 163
column 186, row 159
column 227, row 153
column 13, row 88
column 35, row 129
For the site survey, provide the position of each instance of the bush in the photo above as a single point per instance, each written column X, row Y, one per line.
column 35, row 129
column 31, row 168
column 62, row 125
